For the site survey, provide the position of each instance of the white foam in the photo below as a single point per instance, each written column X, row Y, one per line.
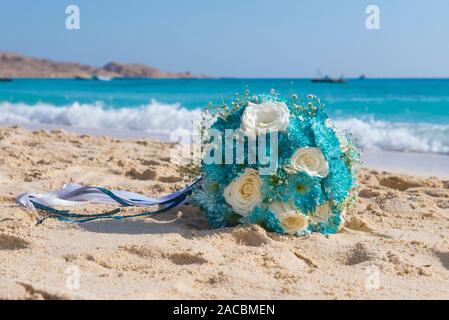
column 392, row 136
column 163, row 119
column 152, row 118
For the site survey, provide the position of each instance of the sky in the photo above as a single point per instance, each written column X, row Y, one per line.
column 238, row 38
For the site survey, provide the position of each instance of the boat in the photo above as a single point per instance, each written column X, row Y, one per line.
column 328, row 79
column 5, row 79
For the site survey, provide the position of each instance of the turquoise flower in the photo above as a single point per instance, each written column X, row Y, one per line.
column 325, row 137
column 305, row 191
column 300, row 134
column 214, row 208
column 339, row 181
column 264, row 218
column 217, row 173
column 231, row 121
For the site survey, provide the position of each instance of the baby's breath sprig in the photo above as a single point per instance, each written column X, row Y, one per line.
column 350, row 202
column 352, row 156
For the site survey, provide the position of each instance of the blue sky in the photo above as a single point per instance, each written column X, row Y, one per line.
column 245, row 38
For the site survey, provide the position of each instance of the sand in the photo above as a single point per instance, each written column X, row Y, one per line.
column 394, row 244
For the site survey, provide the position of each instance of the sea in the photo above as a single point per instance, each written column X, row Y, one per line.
column 398, row 115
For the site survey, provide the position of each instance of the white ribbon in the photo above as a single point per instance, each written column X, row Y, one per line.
column 74, row 194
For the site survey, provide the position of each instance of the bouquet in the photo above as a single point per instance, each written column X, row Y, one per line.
column 276, row 162
column 273, row 161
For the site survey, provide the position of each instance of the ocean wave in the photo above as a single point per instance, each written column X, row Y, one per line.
column 393, row 136
column 154, row 117
column 164, row 119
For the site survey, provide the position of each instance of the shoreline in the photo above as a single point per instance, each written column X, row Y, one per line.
column 412, row 163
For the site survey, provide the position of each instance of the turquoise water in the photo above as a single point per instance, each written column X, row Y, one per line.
column 391, row 114
column 389, row 99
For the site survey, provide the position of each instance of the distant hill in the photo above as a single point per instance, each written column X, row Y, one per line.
column 141, row 71
column 14, row 65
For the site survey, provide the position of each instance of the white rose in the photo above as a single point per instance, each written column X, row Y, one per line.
column 243, row 194
column 292, row 220
column 264, row 117
column 310, row 160
column 322, row 213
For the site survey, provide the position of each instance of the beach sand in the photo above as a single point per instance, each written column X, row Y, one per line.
column 395, row 243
